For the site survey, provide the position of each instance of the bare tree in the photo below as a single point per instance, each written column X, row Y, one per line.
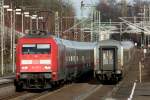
column 111, row 9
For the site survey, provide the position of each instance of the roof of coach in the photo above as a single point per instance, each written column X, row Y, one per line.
column 75, row 44
column 109, row 43
column 127, row 44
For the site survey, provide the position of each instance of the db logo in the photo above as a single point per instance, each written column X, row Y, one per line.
column 36, row 62
column 35, row 56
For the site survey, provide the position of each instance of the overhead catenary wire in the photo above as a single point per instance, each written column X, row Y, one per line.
column 129, row 23
column 92, row 1
column 74, row 26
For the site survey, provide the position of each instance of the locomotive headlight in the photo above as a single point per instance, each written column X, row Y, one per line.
column 118, row 72
column 24, row 67
column 99, row 72
column 45, row 61
column 26, row 61
column 47, row 67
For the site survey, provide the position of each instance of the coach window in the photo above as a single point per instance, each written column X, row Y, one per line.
column 72, row 58
column 69, row 58
column 77, row 58
column 83, row 58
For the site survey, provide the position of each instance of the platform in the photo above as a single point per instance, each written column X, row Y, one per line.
column 7, row 79
column 142, row 89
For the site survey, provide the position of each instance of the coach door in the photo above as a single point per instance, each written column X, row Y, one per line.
column 108, row 58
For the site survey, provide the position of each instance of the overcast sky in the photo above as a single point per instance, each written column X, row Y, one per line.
column 77, row 5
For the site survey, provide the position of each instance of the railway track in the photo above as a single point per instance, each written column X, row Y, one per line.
column 74, row 91
column 8, row 92
column 16, row 94
column 124, row 89
column 5, row 81
column 28, row 96
column 77, row 91
column 6, row 84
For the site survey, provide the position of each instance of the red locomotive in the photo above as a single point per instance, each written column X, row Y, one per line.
column 43, row 61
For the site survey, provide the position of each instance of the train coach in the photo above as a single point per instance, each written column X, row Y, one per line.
column 43, row 61
column 111, row 59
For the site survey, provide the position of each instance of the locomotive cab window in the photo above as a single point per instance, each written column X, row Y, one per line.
column 36, row 49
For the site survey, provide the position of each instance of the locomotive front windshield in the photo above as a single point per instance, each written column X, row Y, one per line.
column 36, row 49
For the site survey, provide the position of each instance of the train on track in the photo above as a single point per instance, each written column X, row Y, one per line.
column 111, row 59
column 43, row 61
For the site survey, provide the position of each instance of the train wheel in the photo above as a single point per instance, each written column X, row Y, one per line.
column 61, row 83
column 97, row 77
column 53, row 85
column 120, row 77
column 102, row 79
column 114, row 79
column 18, row 88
